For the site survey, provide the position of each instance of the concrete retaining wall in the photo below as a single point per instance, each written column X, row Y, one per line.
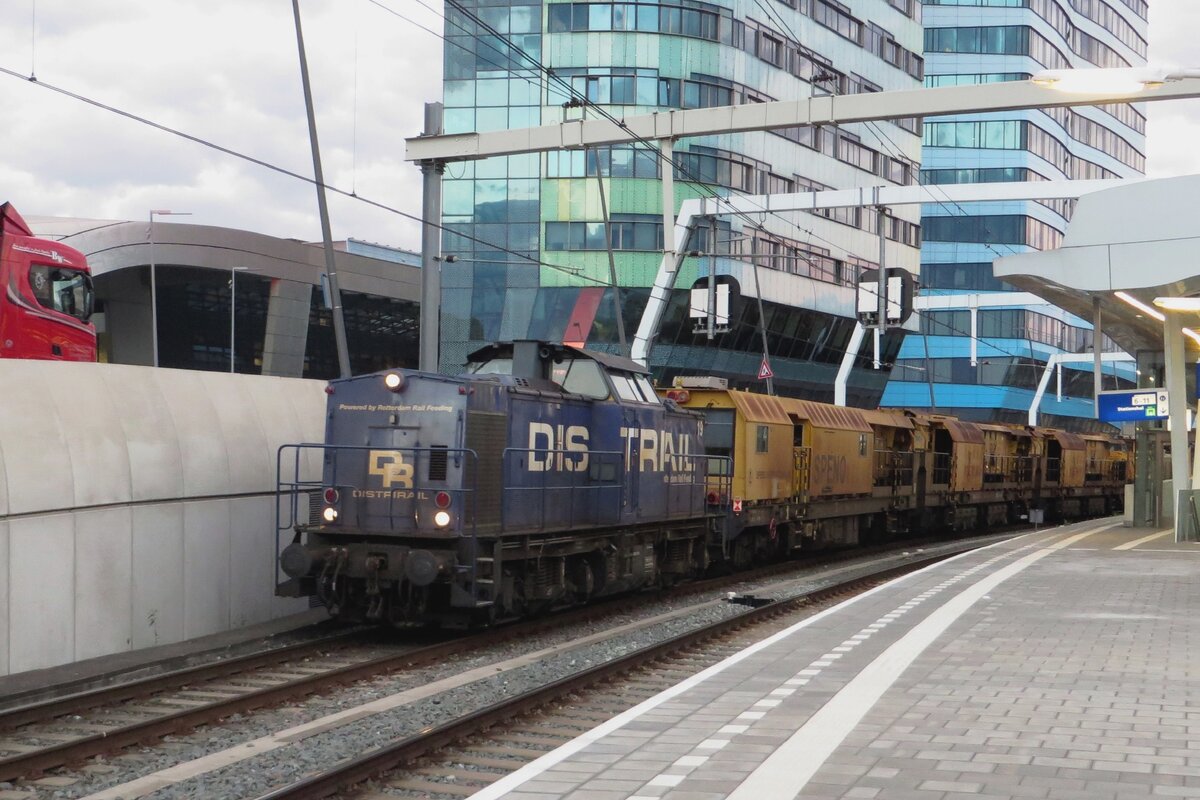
column 137, row 504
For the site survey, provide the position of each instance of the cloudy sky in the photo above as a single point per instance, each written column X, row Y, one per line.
column 226, row 71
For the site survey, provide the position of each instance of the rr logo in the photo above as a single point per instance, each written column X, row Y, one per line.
column 390, row 467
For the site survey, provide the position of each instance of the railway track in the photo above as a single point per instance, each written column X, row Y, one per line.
column 46, row 735
column 464, row 755
column 58, row 731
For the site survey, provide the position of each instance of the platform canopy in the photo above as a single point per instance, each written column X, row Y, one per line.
column 1141, row 240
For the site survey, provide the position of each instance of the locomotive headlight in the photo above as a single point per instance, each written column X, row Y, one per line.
column 329, row 514
column 394, row 381
column 441, row 518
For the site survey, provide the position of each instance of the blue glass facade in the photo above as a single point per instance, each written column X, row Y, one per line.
column 979, row 41
column 626, row 58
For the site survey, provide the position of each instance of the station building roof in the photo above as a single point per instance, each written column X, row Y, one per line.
column 1142, row 239
column 112, row 245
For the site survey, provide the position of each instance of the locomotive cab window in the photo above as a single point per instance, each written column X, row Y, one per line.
column 66, row 291
column 762, row 439
column 495, row 366
column 647, row 390
column 630, row 390
column 581, row 376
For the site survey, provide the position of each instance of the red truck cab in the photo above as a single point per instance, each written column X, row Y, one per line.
column 48, row 298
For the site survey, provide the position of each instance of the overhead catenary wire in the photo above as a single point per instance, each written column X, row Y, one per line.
column 570, row 92
column 688, row 177
column 522, row 257
column 281, row 170
column 883, row 136
column 744, row 215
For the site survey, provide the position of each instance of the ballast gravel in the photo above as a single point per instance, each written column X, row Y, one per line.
column 257, row 775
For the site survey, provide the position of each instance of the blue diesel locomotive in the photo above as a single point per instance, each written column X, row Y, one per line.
column 544, row 476
column 548, row 475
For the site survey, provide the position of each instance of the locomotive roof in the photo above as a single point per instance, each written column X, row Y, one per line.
column 607, row 360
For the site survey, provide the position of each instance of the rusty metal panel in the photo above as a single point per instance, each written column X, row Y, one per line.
column 966, row 468
column 759, row 408
column 840, row 463
column 762, row 475
column 1069, row 441
column 963, row 432
column 891, row 419
column 1073, row 464
column 821, row 415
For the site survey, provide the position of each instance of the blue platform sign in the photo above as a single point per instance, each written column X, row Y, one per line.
column 1137, row 405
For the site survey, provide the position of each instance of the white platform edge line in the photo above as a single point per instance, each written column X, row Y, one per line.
column 537, row 767
column 792, row 765
column 1144, row 539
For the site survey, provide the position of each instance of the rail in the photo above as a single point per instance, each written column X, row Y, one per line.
column 402, row 752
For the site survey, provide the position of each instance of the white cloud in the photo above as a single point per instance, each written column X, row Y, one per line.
column 1173, row 126
column 225, row 71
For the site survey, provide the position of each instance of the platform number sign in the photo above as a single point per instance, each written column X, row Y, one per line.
column 1133, row 406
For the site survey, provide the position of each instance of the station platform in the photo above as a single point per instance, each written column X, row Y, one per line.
column 1060, row 664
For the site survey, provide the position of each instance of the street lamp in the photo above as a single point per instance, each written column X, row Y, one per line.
column 1107, row 81
column 157, row 212
column 233, row 271
column 1178, row 303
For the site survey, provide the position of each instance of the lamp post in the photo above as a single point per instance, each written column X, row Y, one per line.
column 1107, row 81
column 157, row 212
column 233, row 271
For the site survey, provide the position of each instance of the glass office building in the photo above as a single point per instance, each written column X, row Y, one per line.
column 983, row 41
column 551, row 279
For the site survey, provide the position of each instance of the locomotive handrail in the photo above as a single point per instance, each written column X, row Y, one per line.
column 941, row 468
column 893, row 468
column 1105, row 469
column 560, row 457
column 720, row 481
column 696, row 503
column 1053, row 470
column 1002, row 467
column 288, row 518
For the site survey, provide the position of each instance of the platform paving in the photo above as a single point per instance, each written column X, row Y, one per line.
column 1062, row 664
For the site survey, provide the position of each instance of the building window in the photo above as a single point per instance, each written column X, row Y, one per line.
column 629, row 232
column 991, row 229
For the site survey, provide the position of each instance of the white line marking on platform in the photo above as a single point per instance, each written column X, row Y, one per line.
column 1144, row 539
column 541, row 765
column 557, row 756
column 1172, row 552
column 788, row 770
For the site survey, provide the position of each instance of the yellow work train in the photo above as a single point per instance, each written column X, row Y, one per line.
column 807, row 474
